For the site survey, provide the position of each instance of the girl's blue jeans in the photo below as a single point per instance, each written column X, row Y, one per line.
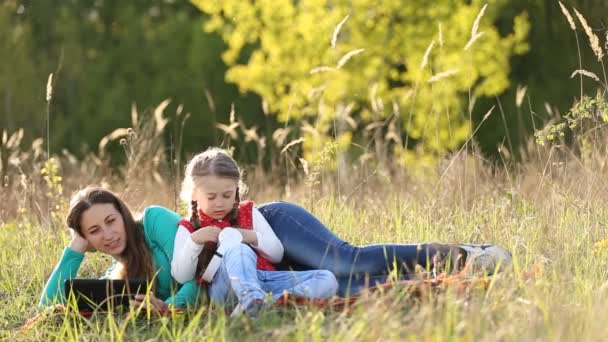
column 238, row 277
column 309, row 244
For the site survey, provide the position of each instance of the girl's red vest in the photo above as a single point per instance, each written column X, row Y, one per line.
column 243, row 221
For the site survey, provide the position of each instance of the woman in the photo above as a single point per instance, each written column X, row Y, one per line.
column 309, row 244
column 99, row 220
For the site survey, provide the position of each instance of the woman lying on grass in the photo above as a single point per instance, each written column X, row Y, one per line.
column 99, row 220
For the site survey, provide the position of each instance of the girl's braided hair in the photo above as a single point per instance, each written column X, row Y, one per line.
column 213, row 162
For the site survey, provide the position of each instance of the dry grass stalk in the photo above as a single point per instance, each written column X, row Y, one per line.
column 307, row 128
column 568, row 16
column 473, row 40
column 134, row 114
column 487, row 115
column 251, row 134
column 593, row 39
column 231, row 128
column 117, row 133
column 442, row 75
column 304, row 165
column 475, row 27
column 161, row 122
column 344, row 113
column 347, row 57
column 474, row 30
column 321, row 69
column 279, row 136
column 520, row 94
column 210, row 100
column 372, row 126
column 334, row 36
column 291, row 143
column 49, row 88
column 585, row 73
column 425, row 59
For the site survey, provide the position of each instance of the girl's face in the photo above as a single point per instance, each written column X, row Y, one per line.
column 215, row 196
column 104, row 228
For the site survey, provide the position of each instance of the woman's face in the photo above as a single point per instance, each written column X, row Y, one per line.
column 104, row 228
column 215, row 196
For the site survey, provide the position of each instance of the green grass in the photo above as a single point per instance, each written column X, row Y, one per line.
column 556, row 290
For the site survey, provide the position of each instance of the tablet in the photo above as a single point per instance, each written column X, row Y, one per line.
column 102, row 294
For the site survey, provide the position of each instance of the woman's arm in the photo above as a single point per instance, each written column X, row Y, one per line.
column 268, row 245
column 185, row 256
column 54, row 290
column 67, row 268
column 186, row 296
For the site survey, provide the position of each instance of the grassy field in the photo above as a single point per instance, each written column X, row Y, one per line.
column 550, row 212
column 549, row 209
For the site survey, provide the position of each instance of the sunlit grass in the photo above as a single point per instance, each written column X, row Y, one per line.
column 557, row 289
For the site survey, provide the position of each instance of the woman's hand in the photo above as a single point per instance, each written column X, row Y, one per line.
column 206, row 234
column 78, row 243
column 153, row 304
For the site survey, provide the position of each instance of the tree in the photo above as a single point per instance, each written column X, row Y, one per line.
column 106, row 56
column 392, row 61
column 18, row 77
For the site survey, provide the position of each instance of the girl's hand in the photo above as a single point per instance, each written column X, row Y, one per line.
column 206, row 234
column 78, row 243
column 152, row 303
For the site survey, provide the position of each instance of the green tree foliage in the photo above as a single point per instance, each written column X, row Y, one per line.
column 377, row 69
column 17, row 71
column 106, row 56
column 545, row 71
column 109, row 54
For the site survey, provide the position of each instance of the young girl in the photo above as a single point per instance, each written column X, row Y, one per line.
column 213, row 186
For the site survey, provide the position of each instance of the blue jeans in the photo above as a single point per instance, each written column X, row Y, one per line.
column 238, row 277
column 309, row 244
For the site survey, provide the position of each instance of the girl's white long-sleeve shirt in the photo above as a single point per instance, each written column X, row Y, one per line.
column 186, row 251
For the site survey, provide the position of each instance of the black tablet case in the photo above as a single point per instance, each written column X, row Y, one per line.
column 102, row 294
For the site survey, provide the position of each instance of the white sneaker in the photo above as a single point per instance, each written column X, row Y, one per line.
column 237, row 311
column 486, row 258
column 252, row 310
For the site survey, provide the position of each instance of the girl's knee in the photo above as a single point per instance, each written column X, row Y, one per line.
column 238, row 249
column 329, row 283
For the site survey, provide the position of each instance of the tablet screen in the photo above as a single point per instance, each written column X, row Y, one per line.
column 102, row 294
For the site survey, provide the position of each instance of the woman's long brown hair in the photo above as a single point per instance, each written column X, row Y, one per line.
column 136, row 261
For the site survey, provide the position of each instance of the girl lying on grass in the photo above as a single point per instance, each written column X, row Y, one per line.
column 244, row 270
column 307, row 243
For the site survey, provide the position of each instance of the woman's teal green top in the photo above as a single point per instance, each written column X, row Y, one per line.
column 160, row 227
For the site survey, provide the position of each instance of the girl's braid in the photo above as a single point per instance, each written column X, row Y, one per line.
column 234, row 214
column 194, row 220
column 210, row 247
